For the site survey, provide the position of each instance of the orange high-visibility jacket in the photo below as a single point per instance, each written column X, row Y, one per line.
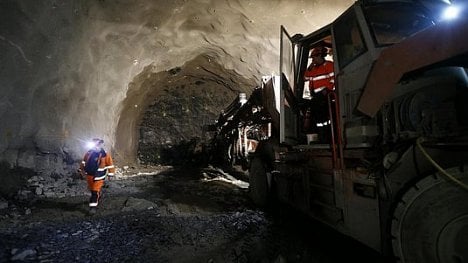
column 321, row 77
column 105, row 168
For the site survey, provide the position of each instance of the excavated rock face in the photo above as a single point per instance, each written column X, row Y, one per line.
column 173, row 108
column 74, row 70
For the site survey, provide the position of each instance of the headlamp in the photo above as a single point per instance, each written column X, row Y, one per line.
column 91, row 145
column 451, row 12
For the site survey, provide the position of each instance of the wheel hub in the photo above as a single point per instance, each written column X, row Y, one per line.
column 451, row 244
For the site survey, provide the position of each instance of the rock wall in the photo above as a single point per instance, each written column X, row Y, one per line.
column 185, row 100
column 67, row 67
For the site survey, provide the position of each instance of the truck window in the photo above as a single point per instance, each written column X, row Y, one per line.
column 387, row 30
column 348, row 39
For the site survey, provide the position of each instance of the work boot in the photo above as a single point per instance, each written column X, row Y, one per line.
column 99, row 197
column 94, row 199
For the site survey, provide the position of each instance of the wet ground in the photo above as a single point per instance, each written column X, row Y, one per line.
column 169, row 215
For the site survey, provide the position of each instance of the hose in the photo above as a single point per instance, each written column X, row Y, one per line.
column 441, row 170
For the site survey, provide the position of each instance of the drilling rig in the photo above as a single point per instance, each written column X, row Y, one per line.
column 390, row 166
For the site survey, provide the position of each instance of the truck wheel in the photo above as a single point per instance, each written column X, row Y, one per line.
column 258, row 184
column 430, row 223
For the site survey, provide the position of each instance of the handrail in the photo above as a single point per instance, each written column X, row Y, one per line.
column 338, row 129
column 334, row 143
column 332, row 130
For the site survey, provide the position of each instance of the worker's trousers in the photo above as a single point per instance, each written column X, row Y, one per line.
column 95, row 187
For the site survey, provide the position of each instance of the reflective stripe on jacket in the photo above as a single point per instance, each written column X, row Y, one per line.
column 106, row 165
column 321, row 77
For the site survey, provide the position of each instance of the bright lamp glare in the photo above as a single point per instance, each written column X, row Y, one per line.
column 90, row 145
column 450, row 12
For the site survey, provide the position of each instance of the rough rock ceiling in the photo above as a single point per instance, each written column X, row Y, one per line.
column 72, row 70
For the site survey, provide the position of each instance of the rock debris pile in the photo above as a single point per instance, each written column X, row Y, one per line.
column 142, row 217
column 146, row 237
column 161, row 214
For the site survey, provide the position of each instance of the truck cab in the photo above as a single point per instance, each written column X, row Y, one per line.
column 356, row 41
column 389, row 165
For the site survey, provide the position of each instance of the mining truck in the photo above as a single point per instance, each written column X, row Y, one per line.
column 389, row 166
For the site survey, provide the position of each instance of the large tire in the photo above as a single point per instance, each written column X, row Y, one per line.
column 430, row 223
column 258, row 183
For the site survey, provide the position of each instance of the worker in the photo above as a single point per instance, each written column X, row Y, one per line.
column 97, row 164
column 320, row 72
column 321, row 77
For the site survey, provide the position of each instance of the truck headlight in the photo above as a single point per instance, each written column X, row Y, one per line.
column 451, row 12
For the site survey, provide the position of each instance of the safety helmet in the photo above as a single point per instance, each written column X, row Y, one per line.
column 95, row 142
column 98, row 141
column 319, row 51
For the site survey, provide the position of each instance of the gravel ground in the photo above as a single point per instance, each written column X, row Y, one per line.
column 167, row 216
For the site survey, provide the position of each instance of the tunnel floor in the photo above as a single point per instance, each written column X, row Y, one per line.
column 169, row 215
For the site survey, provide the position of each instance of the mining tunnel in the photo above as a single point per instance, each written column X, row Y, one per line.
column 147, row 77
column 170, row 108
column 116, row 61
